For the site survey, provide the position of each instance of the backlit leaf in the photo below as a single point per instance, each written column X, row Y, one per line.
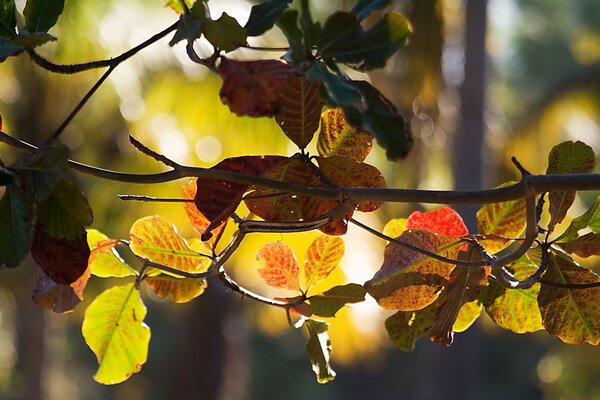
column 506, row 220
column 16, row 219
column 263, row 16
column 252, row 87
column 395, row 227
column 217, row 199
column 443, row 220
column 467, row 315
column 567, row 158
column 32, row 40
column 157, row 240
column 199, row 222
column 298, row 116
column 114, row 328
column 591, row 219
column 571, row 314
column 409, row 280
column 338, row 137
column 178, row 5
column 406, row 327
column 60, row 298
column 41, row 170
column 464, row 287
column 281, row 268
column 316, row 208
column 515, row 309
column 177, row 289
column 319, row 350
column 584, row 246
column 63, row 260
column 298, row 307
column 324, row 254
column 330, row 302
column 8, row 19
column 104, row 261
column 225, row 33
column 41, row 15
column 346, row 172
column 66, row 212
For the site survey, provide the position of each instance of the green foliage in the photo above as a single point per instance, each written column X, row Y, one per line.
column 41, row 15
column 8, row 18
column 16, row 218
column 264, row 15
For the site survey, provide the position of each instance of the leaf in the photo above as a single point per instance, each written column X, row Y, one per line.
column 395, row 227
column 114, row 328
column 41, row 15
column 319, row 350
column 330, row 302
column 8, row 19
column 179, row 6
column 66, row 212
column 298, row 306
column 338, row 91
column 179, row 290
column 281, row 267
column 514, row 309
column 9, row 49
column 225, row 33
column 585, row 246
column 16, row 219
column 155, row 239
column 32, row 40
column 506, row 220
column 343, row 40
column 199, row 222
column 61, row 298
column 252, row 88
column 406, row 327
column 288, row 23
column 467, row 315
column 464, row 287
column 571, row 314
column 104, row 261
column 443, row 220
column 217, row 199
column 591, row 219
column 408, row 280
column 567, row 158
column 363, row 8
column 301, row 106
column 41, row 170
column 346, row 172
column 263, row 16
column 190, row 28
column 272, row 205
column 314, row 208
column 323, row 256
column 338, row 137
column 63, row 260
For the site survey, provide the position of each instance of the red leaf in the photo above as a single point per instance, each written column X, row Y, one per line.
column 58, row 297
column 444, row 220
column 197, row 219
column 217, row 199
column 300, row 109
column 252, row 87
column 281, row 267
column 63, row 260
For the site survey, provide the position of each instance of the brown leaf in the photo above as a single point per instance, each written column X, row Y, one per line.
column 252, row 87
column 60, row 298
column 338, row 138
column 584, row 246
column 314, row 208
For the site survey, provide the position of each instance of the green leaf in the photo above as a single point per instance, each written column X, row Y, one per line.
column 409, row 280
column 263, row 16
column 363, row 8
column 567, row 158
column 338, row 91
column 177, row 289
column 506, row 220
column 41, row 15
column 114, row 328
column 323, row 256
column 191, row 26
column 514, row 309
column 591, row 219
column 330, row 302
column 16, row 216
column 406, row 327
column 288, row 23
column 179, row 6
column 9, row 49
column 319, row 350
column 40, row 171
column 338, row 137
column 104, row 261
column 8, row 18
column 32, row 40
column 225, row 33
column 157, row 240
column 467, row 315
column 66, row 212
column 571, row 314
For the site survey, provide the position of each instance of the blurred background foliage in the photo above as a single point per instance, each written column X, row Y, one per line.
column 541, row 86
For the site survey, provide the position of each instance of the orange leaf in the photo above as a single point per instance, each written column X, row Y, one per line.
column 252, row 87
column 199, row 222
column 60, row 298
column 281, row 267
column 444, row 220
column 179, row 290
column 323, row 255
column 338, row 138
column 301, row 106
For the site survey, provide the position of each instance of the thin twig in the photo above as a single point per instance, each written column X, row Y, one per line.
column 151, row 153
column 150, row 199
